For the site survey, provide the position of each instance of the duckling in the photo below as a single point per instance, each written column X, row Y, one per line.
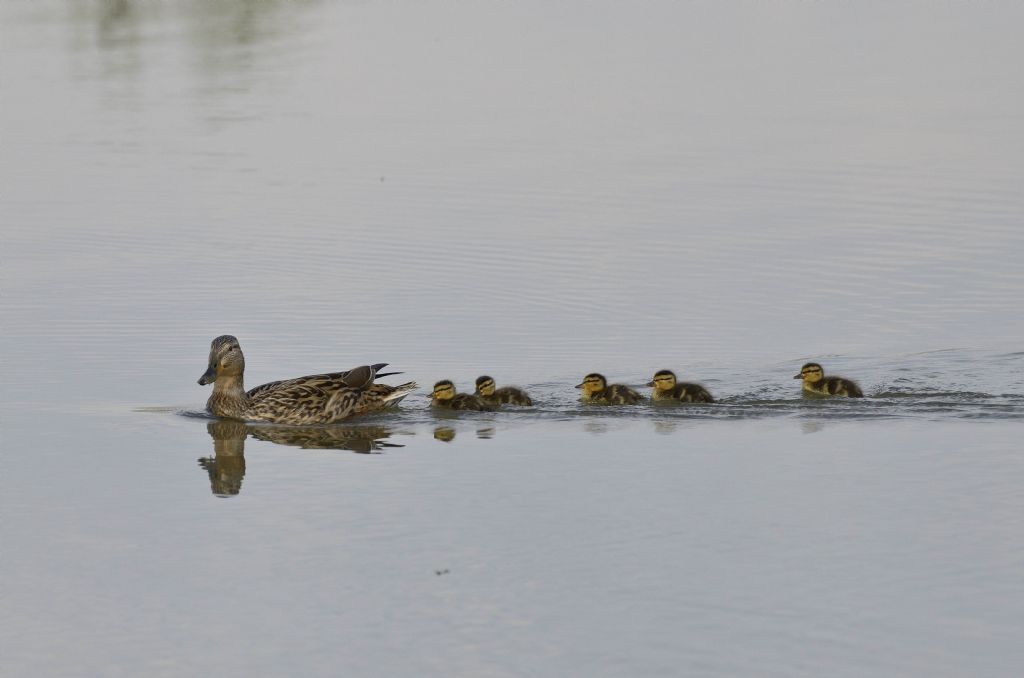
column 316, row 399
column 816, row 383
column 666, row 388
column 444, row 395
column 507, row 395
column 596, row 389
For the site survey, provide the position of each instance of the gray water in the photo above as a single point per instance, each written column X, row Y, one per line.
column 534, row 191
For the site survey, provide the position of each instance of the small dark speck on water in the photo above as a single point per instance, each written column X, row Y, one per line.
column 443, row 572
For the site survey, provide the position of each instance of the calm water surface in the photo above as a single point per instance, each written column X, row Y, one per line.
column 533, row 192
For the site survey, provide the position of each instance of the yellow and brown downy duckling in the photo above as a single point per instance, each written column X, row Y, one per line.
column 444, row 395
column 316, row 399
column 816, row 383
column 507, row 395
column 667, row 388
column 596, row 389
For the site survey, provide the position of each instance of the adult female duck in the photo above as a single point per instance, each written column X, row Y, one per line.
column 316, row 399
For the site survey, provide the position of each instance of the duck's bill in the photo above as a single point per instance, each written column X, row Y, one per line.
column 798, row 376
column 578, row 386
column 209, row 376
column 650, row 383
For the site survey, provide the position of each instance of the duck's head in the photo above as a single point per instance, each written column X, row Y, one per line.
column 663, row 380
column 226, row 360
column 812, row 373
column 484, row 386
column 593, row 383
column 443, row 390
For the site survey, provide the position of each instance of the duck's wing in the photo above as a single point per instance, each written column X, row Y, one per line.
column 295, row 403
column 358, row 377
column 513, row 396
column 316, row 380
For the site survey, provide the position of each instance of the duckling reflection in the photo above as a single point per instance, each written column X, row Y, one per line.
column 665, row 427
column 445, row 434
column 227, row 465
column 812, row 426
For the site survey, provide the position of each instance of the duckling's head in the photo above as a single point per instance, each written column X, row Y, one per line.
column 484, row 386
column 593, row 383
column 812, row 373
column 443, row 390
column 664, row 380
column 226, row 360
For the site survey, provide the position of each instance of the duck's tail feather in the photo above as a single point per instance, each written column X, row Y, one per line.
column 399, row 392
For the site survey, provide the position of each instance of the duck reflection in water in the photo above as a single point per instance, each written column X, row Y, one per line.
column 226, row 467
column 358, row 439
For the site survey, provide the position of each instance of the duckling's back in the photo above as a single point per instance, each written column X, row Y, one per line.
column 841, row 386
column 359, row 377
column 619, row 394
column 468, row 401
column 509, row 395
column 691, row 393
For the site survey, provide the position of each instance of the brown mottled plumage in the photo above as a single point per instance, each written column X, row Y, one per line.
column 596, row 389
column 667, row 388
column 444, row 396
column 316, row 399
column 508, row 395
column 816, row 383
